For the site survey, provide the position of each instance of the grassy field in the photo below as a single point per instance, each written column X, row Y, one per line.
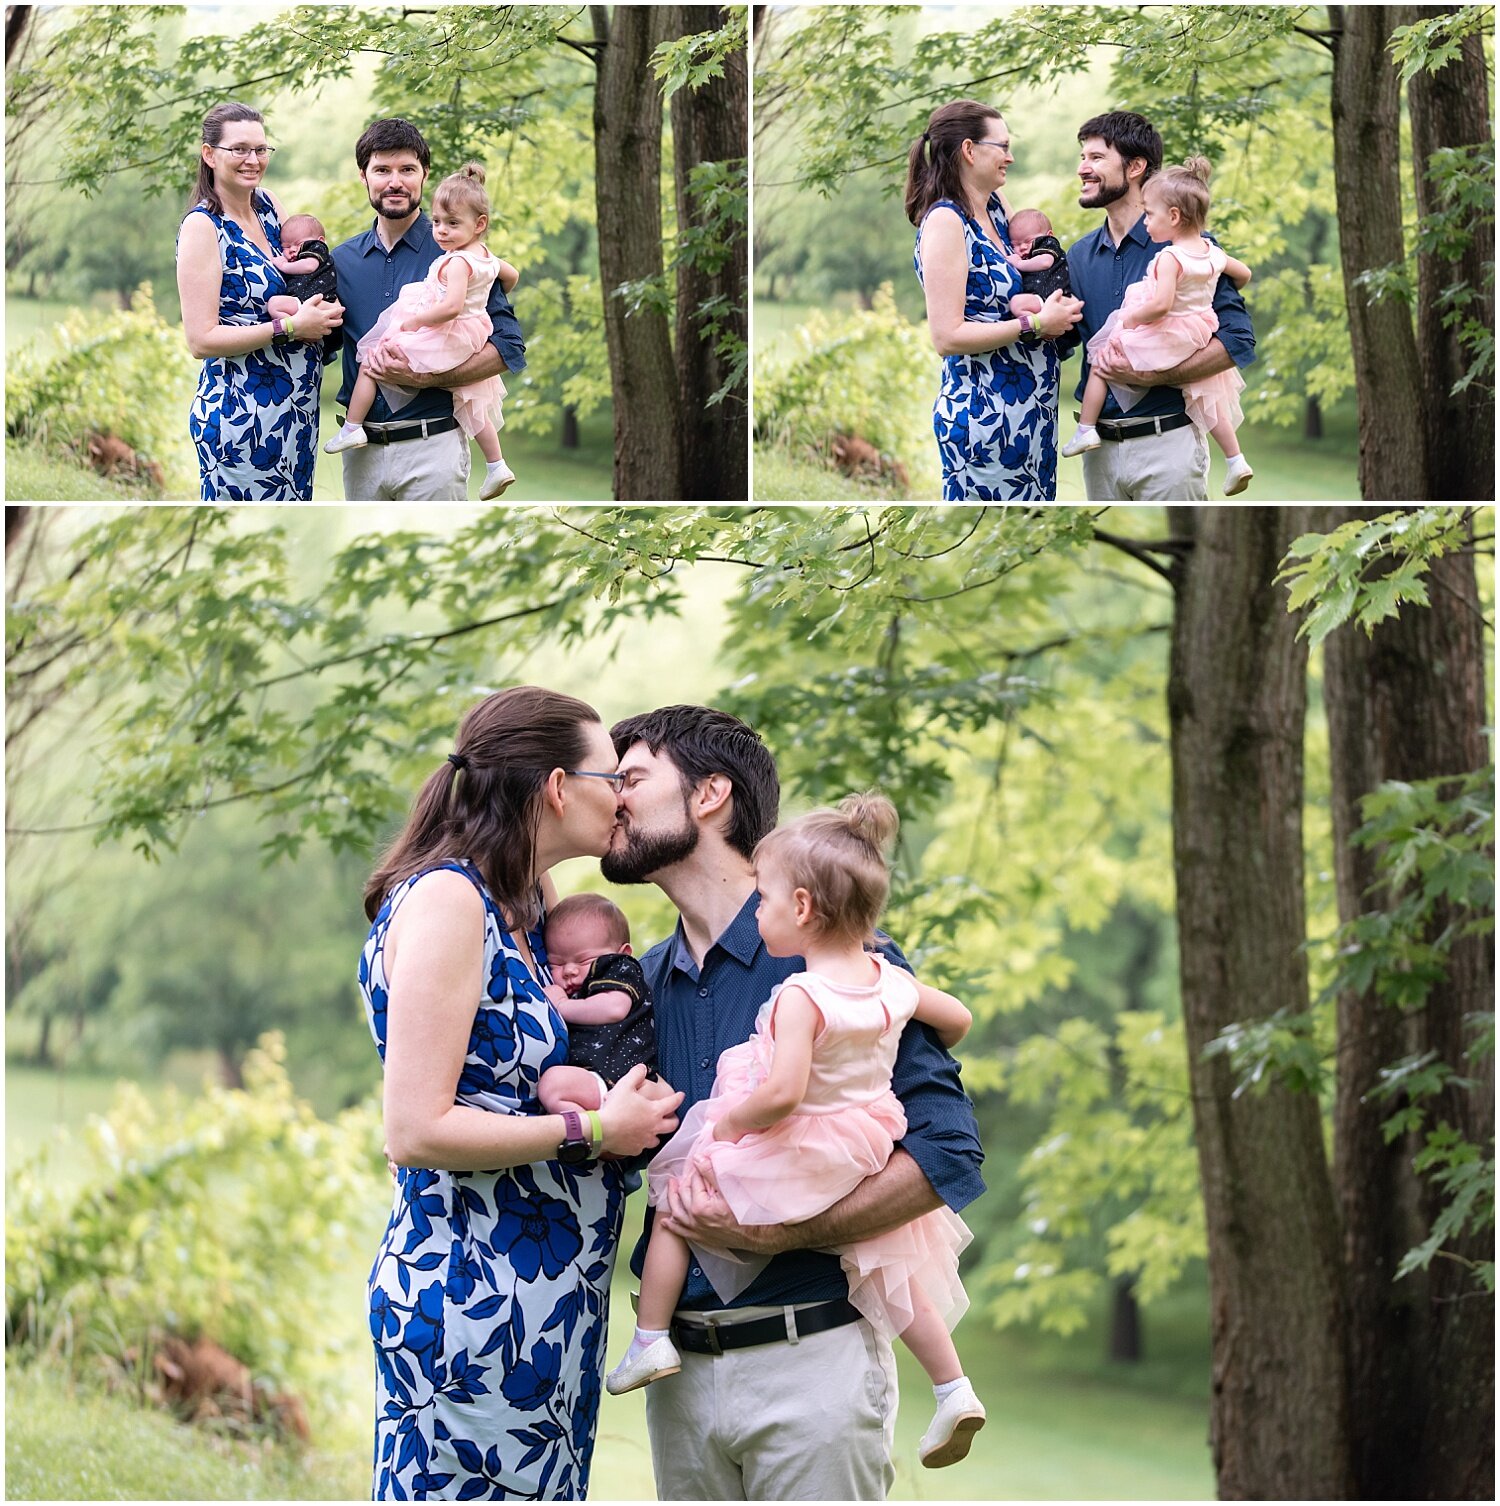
column 1287, row 467
column 1064, row 1423
column 545, row 472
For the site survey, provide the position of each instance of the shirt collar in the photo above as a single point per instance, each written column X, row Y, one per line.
column 1136, row 233
column 415, row 233
column 740, row 939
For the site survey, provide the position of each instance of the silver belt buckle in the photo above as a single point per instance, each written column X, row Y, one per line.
column 711, row 1328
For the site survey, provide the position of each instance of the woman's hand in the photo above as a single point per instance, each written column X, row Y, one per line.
column 317, row 317
column 1059, row 314
column 632, row 1120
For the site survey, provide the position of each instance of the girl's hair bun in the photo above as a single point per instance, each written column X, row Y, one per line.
column 471, row 170
column 872, row 817
column 1198, row 167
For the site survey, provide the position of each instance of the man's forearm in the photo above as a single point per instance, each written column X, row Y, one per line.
column 1209, row 361
column 894, row 1196
column 483, row 363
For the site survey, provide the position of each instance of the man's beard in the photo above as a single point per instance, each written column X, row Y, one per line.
column 645, row 853
column 1105, row 194
column 390, row 214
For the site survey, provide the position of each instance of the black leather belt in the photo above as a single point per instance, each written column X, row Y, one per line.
column 1115, row 431
column 714, row 1336
column 398, row 433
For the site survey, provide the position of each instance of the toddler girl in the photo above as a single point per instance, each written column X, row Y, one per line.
column 438, row 323
column 1168, row 316
column 803, row 1112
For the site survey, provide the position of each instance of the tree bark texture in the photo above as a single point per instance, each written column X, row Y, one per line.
column 627, row 180
column 1367, row 174
column 710, row 124
column 1408, row 703
column 1449, row 108
column 1236, row 699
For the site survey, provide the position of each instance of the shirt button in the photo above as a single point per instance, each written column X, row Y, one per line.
column 696, row 1271
column 703, row 1065
column 702, row 993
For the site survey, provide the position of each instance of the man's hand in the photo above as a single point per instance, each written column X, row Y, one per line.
column 696, row 1210
column 1209, row 361
column 387, row 364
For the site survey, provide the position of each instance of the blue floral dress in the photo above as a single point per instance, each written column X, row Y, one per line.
column 254, row 419
column 996, row 412
column 489, row 1296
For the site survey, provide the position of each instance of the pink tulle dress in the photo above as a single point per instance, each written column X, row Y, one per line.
column 842, row 1132
column 441, row 347
column 1181, row 332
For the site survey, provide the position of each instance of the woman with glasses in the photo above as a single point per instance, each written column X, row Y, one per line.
column 489, row 1293
column 996, row 412
column 254, row 419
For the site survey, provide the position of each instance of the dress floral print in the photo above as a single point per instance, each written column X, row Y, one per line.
column 489, row 1293
column 996, row 412
column 254, row 418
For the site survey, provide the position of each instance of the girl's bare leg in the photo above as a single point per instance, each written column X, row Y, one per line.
column 361, row 399
column 926, row 1336
column 1225, row 437
column 1094, row 393
column 662, row 1278
column 488, row 440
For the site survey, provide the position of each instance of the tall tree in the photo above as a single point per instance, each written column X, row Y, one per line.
column 1406, row 702
column 1449, row 108
column 1236, row 696
column 708, row 128
column 627, row 167
column 1367, row 168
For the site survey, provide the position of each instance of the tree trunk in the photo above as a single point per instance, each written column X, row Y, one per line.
column 1236, row 696
column 709, row 124
column 1312, row 419
column 1449, row 108
column 1125, row 1324
column 1367, row 174
column 627, row 180
column 1408, row 703
column 569, row 427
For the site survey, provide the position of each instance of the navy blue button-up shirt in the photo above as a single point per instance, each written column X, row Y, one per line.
column 1101, row 271
column 369, row 279
column 703, row 1011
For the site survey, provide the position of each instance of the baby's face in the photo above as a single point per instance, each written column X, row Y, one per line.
column 1023, row 245
column 572, row 945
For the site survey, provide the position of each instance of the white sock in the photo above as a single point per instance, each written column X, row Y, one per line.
column 644, row 1338
column 946, row 1389
column 493, row 467
column 350, row 428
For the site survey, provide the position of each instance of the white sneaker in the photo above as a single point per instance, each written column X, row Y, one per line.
column 1085, row 437
column 655, row 1362
column 494, row 485
column 959, row 1416
column 1237, row 474
column 346, row 439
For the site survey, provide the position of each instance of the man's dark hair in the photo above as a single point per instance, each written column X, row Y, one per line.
column 702, row 741
column 1131, row 135
column 394, row 135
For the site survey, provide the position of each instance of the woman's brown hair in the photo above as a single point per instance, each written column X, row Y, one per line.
column 933, row 163
column 213, row 133
column 486, row 807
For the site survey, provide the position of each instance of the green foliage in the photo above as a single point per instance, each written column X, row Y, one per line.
column 125, row 372
column 691, row 61
column 223, row 1215
column 1302, row 342
column 1432, row 44
column 1111, row 1161
column 1285, row 1049
column 865, row 373
column 1366, row 570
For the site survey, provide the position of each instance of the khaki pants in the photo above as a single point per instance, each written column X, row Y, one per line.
column 813, row 1420
column 435, row 469
column 1170, row 467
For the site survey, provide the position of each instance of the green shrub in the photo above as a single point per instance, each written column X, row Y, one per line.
column 225, row 1215
column 869, row 372
column 127, row 373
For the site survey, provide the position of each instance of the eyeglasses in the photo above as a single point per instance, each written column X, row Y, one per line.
column 616, row 781
column 239, row 153
column 1003, row 145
